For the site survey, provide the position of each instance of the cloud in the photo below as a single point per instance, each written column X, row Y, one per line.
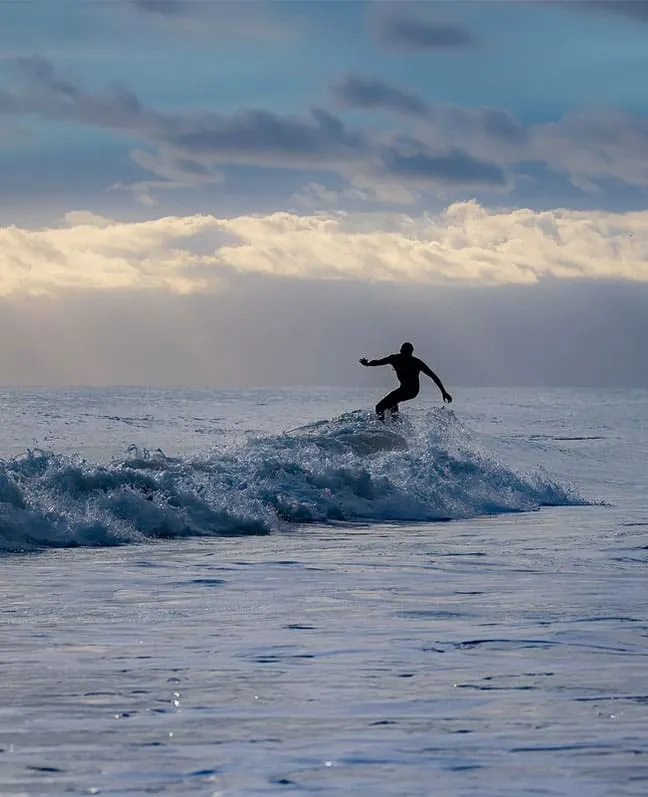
column 589, row 145
column 450, row 168
column 407, row 27
column 48, row 93
column 585, row 145
column 222, row 22
column 175, row 172
column 636, row 10
column 91, row 252
column 364, row 92
column 372, row 93
column 445, row 147
column 166, row 8
column 192, row 145
column 465, row 245
column 359, row 194
column 258, row 137
column 247, row 136
column 85, row 218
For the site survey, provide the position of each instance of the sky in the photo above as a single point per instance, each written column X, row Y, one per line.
column 255, row 193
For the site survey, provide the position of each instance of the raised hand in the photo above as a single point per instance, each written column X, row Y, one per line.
column 364, row 361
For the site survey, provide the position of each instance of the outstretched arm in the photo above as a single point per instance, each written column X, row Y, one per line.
column 429, row 372
column 383, row 361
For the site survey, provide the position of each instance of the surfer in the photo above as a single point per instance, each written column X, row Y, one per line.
column 407, row 369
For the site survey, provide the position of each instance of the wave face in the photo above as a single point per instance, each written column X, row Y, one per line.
column 351, row 469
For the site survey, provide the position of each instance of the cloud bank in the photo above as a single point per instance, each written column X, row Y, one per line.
column 445, row 147
column 190, row 145
column 584, row 145
column 465, row 245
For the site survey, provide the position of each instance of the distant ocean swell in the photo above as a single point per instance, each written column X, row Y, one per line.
column 349, row 469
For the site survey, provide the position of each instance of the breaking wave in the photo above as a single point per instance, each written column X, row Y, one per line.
column 350, row 469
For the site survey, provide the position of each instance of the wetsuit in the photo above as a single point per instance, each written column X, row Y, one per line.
column 407, row 369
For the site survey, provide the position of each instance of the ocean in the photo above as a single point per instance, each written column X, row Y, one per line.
column 258, row 592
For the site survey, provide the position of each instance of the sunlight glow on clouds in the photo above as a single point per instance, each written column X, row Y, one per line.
column 466, row 244
column 97, row 253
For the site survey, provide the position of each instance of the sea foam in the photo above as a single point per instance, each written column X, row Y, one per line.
column 349, row 469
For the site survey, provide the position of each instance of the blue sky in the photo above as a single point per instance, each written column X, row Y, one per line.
column 253, row 180
column 538, row 61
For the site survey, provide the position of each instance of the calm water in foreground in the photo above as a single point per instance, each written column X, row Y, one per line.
column 196, row 602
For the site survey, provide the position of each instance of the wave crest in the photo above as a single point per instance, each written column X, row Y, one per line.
column 352, row 469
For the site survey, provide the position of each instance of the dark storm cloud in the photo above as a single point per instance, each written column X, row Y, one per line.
column 372, row 93
column 408, row 27
column 454, row 167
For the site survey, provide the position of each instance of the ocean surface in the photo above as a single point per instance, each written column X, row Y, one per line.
column 268, row 592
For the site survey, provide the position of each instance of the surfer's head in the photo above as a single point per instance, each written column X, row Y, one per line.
column 407, row 348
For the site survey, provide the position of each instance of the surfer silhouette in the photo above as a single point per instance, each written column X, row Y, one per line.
column 407, row 369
